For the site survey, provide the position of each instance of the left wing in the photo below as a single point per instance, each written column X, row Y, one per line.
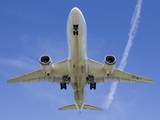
column 58, row 70
column 97, row 70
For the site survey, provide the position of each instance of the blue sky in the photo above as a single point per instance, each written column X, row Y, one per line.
column 30, row 29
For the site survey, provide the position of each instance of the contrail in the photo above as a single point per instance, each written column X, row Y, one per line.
column 132, row 33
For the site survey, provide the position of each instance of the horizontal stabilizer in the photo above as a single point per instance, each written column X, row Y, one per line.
column 69, row 107
column 89, row 107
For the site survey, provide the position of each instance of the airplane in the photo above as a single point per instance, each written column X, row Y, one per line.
column 78, row 70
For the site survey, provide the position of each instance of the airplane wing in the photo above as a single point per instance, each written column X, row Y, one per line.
column 59, row 69
column 97, row 70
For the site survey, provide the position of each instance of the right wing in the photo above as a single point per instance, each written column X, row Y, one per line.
column 59, row 69
column 97, row 70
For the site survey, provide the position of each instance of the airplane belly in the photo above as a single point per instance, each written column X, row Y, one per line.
column 77, row 63
column 78, row 81
column 78, row 74
column 77, row 50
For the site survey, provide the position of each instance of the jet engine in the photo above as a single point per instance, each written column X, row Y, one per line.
column 46, row 64
column 109, row 64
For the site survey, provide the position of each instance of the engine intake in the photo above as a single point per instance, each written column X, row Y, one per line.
column 109, row 64
column 110, row 60
column 46, row 64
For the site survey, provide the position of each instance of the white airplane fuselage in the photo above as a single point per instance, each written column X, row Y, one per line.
column 77, row 64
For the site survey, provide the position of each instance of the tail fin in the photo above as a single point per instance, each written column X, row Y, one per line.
column 89, row 107
column 69, row 107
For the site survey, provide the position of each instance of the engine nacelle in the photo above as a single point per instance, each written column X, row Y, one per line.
column 109, row 64
column 46, row 64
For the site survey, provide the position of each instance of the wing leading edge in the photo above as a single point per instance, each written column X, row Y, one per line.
column 97, row 70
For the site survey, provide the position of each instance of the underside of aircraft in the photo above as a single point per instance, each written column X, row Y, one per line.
column 78, row 70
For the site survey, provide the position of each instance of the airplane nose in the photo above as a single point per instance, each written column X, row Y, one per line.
column 75, row 10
